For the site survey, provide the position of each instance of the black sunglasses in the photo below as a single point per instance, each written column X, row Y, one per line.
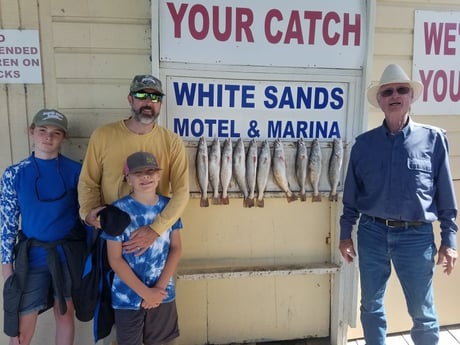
column 402, row 90
column 154, row 97
column 44, row 187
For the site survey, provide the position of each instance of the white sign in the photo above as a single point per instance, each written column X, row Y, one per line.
column 436, row 62
column 20, row 57
column 300, row 33
column 229, row 108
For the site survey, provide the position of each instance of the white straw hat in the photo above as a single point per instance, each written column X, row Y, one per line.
column 393, row 74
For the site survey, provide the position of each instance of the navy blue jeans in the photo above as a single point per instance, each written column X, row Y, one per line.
column 412, row 251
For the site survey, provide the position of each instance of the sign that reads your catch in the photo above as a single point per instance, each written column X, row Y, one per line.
column 20, row 57
column 301, row 33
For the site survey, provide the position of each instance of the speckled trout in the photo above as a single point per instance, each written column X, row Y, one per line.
column 264, row 162
column 201, row 165
column 239, row 169
column 279, row 170
column 301, row 162
column 314, row 168
column 335, row 167
column 226, row 169
column 214, row 170
column 251, row 171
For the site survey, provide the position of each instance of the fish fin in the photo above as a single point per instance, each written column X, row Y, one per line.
column 333, row 197
column 291, row 198
column 303, row 197
column 204, row 202
column 260, row 203
column 250, row 203
column 316, row 198
column 225, row 200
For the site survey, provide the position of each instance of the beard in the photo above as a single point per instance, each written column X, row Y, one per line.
column 139, row 115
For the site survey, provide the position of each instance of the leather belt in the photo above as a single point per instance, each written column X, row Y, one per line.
column 397, row 223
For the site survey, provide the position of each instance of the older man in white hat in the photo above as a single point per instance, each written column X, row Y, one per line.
column 398, row 183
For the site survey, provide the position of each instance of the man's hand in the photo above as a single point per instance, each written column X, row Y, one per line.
column 7, row 270
column 447, row 258
column 347, row 249
column 140, row 240
column 92, row 218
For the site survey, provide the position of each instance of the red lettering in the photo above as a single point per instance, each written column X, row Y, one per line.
column 273, row 14
column 195, row 11
column 244, row 20
column 225, row 35
column 294, row 29
column 349, row 29
column 312, row 17
column 441, row 85
column 450, row 38
column 177, row 17
column 330, row 40
column 434, row 35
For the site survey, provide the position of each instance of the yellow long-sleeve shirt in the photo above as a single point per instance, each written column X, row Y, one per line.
column 102, row 176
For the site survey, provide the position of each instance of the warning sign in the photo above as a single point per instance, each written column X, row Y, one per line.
column 20, row 57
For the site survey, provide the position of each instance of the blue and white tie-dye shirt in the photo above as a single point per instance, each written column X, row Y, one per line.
column 149, row 265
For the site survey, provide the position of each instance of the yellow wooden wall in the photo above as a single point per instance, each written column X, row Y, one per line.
column 90, row 51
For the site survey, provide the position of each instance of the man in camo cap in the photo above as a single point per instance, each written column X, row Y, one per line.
column 102, row 178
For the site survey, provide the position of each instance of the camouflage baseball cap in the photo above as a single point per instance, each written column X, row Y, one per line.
column 142, row 82
column 45, row 117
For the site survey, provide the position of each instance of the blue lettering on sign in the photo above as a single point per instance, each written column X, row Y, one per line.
column 303, row 98
column 303, row 129
column 214, row 95
column 207, row 127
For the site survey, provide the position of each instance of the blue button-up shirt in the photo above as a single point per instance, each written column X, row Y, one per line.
column 403, row 177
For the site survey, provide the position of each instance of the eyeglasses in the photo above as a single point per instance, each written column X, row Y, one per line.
column 402, row 90
column 154, row 97
column 45, row 185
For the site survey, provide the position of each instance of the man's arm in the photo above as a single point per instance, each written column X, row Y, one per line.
column 89, row 183
column 180, row 188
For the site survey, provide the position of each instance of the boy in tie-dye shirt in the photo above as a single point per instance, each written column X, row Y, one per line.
column 143, row 293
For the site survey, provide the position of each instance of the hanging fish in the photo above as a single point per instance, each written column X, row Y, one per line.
column 301, row 162
column 214, row 170
column 279, row 170
column 251, row 171
column 202, row 170
column 263, row 171
column 239, row 169
column 335, row 166
column 314, row 168
column 226, row 169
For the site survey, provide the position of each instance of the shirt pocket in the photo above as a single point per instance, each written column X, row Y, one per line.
column 420, row 174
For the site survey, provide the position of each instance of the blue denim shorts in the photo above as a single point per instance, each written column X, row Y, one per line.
column 39, row 283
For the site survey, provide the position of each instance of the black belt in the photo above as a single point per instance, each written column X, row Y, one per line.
column 397, row 223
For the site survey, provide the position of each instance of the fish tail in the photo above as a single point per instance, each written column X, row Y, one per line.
column 260, row 203
column 333, row 197
column 291, row 198
column 250, row 202
column 245, row 202
column 204, row 202
column 224, row 200
column 303, row 197
column 316, row 198
column 216, row 200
